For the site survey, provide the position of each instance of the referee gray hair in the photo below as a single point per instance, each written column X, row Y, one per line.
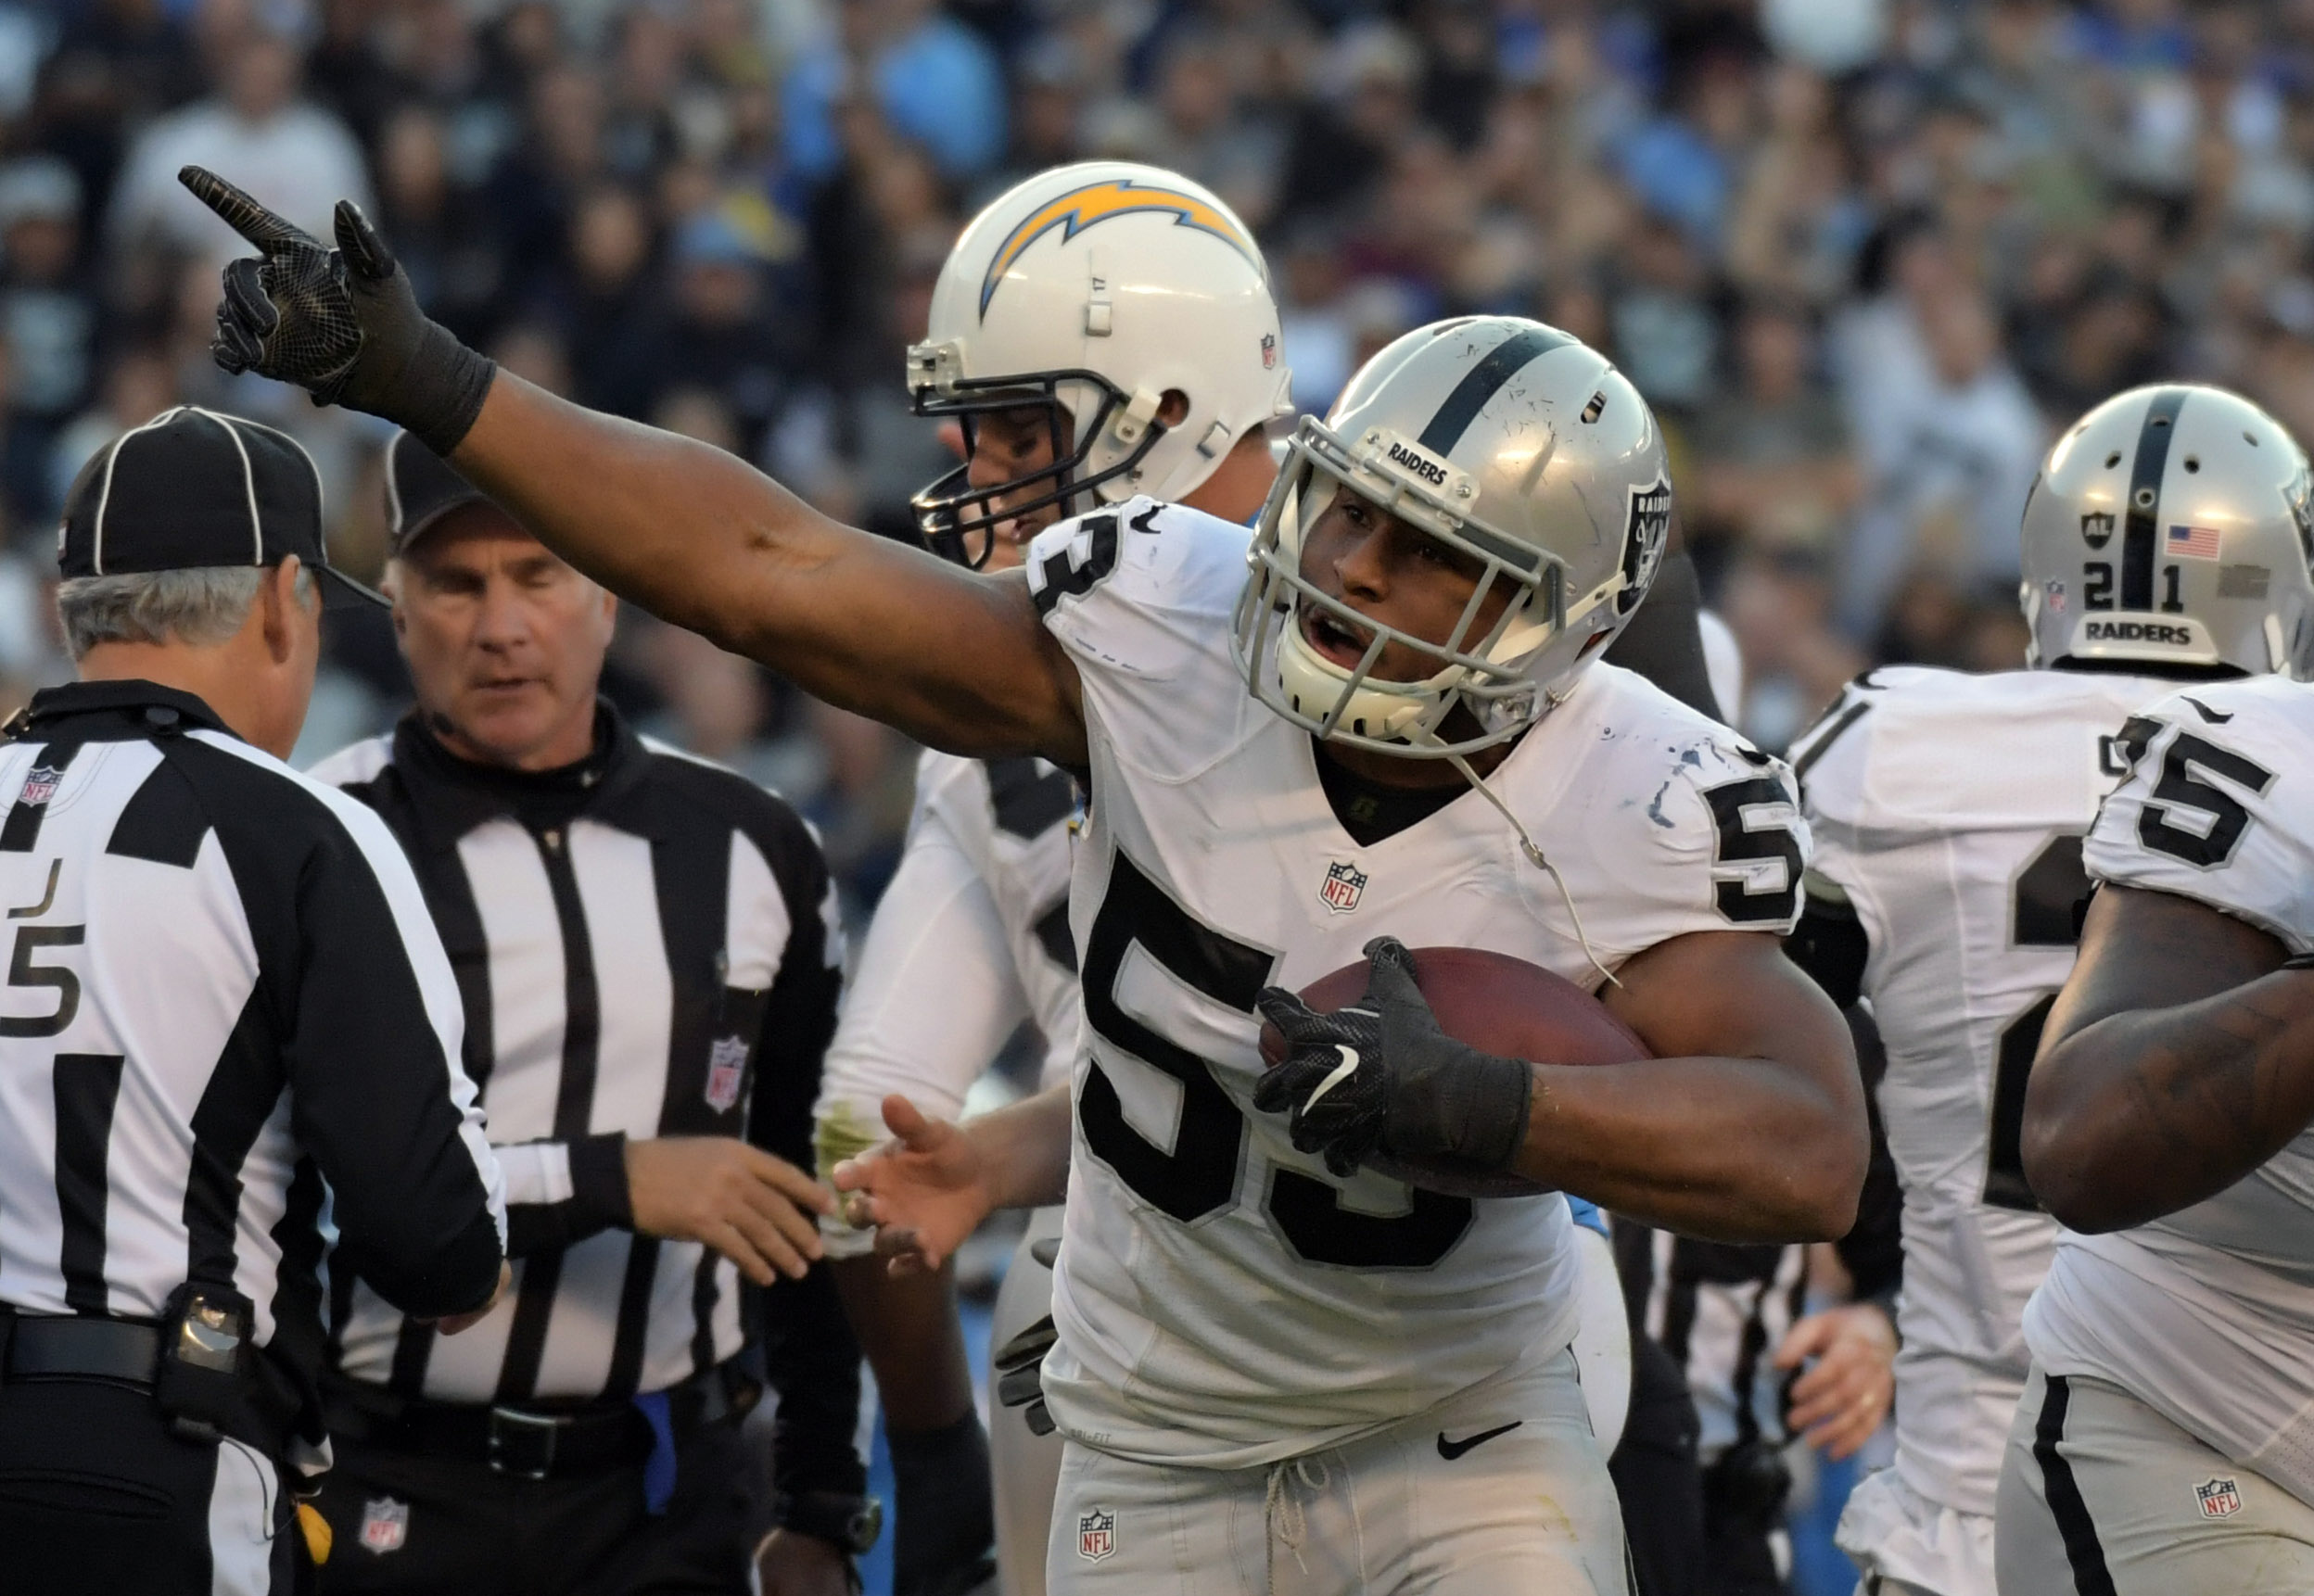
column 202, row 605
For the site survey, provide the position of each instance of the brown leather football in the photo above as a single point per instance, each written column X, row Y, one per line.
column 1498, row 1004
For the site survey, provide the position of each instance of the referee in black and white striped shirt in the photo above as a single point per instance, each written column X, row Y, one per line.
column 226, row 1024
column 649, row 962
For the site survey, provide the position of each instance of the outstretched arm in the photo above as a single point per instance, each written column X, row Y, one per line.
column 690, row 533
column 2177, row 1059
column 928, row 1187
column 697, row 537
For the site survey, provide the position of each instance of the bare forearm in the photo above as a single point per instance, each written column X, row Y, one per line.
column 676, row 525
column 2143, row 1113
column 698, row 538
column 908, row 1326
column 1727, row 1149
column 1025, row 1149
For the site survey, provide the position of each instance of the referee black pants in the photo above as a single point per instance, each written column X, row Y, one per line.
column 1656, row 1477
column 97, row 1497
column 446, row 1526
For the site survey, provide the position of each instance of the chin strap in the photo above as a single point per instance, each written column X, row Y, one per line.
column 1537, row 857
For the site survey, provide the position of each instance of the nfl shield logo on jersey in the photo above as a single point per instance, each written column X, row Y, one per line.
column 727, row 1066
column 40, row 785
column 1345, row 884
column 2219, row 1498
column 385, row 1524
column 1096, row 1535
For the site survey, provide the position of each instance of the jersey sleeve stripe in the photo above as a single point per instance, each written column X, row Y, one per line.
column 1819, row 742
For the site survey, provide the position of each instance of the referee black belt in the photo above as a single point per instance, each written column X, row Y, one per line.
column 527, row 1443
column 41, row 1347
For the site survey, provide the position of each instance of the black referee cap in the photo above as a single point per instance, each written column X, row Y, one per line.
column 192, row 487
column 421, row 488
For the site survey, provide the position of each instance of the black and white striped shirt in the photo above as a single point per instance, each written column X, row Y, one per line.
column 645, row 946
column 1721, row 1309
column 228, row 1023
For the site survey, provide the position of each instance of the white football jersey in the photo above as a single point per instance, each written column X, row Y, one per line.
column 1951, row 809
column 2207, row 1316
column 971, row 938
column 1221, row 1301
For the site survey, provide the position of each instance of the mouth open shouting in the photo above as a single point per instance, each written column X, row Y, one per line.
column 1335, row 640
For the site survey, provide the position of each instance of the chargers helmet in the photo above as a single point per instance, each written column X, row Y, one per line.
column 1094, row 289
column 1516, row 445
column 2171, row 526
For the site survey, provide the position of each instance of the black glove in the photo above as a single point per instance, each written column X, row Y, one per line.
column 341, row 324
column 1020, row 1370
column 1381, row 1076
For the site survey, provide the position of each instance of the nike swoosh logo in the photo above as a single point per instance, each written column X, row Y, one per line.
column 1450, row 1450
column 1341, row 1072
column 2215, row 717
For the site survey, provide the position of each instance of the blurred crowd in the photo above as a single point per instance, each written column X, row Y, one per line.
column 1863, row 255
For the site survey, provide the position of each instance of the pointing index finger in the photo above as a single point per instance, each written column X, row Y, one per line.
column 241, row 213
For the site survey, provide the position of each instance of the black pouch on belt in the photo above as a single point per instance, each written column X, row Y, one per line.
column 204, row 1381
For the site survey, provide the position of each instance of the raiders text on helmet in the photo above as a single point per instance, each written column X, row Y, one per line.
column 2170, row 526
column 1095, row 289
column 1519, row 447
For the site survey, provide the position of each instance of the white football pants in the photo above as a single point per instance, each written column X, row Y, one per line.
column 1502, row 1489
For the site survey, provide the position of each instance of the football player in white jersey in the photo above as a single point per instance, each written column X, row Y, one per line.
column 1263, row 1370
column 1949, row 813
column 2165, row 1441
column 973, row 934
column 1271, row 1375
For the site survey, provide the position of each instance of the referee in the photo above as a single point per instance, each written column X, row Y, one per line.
column 649, row 964
column 226, row 1040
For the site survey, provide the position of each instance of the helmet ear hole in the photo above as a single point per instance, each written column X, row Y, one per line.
column 2194, row 462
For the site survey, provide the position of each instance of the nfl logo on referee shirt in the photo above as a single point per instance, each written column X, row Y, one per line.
column 1096, row 1535
column 1345, row 884
column 2219, row 1498
column 727, row 1066
column 40, row 785
column 385, row 1524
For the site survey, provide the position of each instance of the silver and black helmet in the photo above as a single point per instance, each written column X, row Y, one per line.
column 1521, row 448
column 2171, row 526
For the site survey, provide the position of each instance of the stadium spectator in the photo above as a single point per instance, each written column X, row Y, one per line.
column 299, row 156
column 1774, row 466
column 718, row 327
column 935, row 80
column 48, row 315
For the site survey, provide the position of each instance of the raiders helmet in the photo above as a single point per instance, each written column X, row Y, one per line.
column 2170, row 526
column 1094, row 289
column 1517, row 446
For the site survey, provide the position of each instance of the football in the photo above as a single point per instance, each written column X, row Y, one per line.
column 1499, row 1005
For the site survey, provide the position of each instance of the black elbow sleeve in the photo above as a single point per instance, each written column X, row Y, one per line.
column 1832, row 947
